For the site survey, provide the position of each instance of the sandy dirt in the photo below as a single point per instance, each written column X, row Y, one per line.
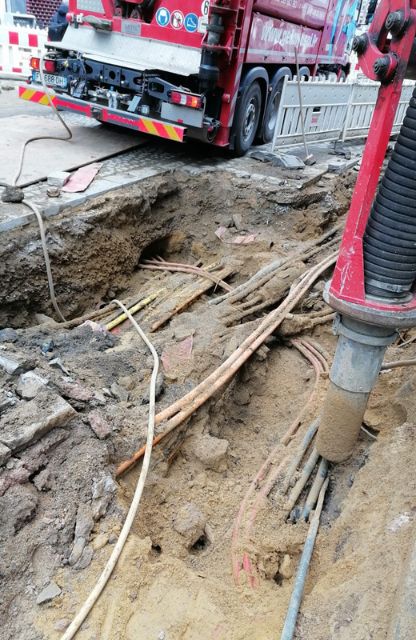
column 61, row 508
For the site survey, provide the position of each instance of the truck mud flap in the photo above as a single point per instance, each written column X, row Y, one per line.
column 103, row 114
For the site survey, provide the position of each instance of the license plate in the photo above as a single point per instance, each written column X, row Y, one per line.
column 50, row 80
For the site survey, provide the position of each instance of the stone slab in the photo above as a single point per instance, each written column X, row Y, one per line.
column 50, row 592
column 340, row 165
column 31, row 420
column 5, row 454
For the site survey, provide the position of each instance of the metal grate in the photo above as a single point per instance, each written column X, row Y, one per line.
column 43, row 9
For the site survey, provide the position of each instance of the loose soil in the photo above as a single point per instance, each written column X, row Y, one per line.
column 60, row 506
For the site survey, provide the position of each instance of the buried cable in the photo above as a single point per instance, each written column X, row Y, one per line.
column 181, row 409
column 303, row 479
column 315, row 489
column 111, row 563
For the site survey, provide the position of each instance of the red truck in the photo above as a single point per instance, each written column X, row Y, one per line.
column 210, row 70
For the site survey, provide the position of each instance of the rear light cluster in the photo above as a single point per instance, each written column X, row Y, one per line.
column 48, row 65
column 35, row 64
column 186, row 99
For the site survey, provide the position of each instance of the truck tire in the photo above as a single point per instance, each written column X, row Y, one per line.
column 247, row 119
column 270, row 116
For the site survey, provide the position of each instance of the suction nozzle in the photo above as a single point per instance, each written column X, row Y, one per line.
column 357, row 362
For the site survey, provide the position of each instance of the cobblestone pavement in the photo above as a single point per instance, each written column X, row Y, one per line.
column 154, row 157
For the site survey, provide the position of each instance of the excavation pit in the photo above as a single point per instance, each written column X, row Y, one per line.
column 61, row 504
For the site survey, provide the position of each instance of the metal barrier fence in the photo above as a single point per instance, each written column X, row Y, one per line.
column 331, row 110
column 17, row 45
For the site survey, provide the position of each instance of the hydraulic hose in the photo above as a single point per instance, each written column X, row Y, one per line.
column 389, row 251
column 390, row 237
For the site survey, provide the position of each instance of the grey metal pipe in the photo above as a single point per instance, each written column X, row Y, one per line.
column 299, row 586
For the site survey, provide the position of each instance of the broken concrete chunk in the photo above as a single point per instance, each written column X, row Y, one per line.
column 212, row 452
column 75, row 390
column 58, row 178
column 287, row 568
column 85, row 559
column 7, row 400
column 83, row 528
column 120, row 393
column 159, row 388
column 47, row 346
column 103, row 491
column 99, row 541
column 12, row 194
column 99, row 425
column 58, row 364
column 50, row 592
column 31, row 420
column 190, row 523
column 17, row 507
column 62, row 624
column 341, row 166
column 288, row 161
column 84, row 523
column 41, row 481
column 5, row 454
column 14, row 367
column 261, row 156
column 29, row 385
column 8, row 335
column 77, row 551
column 238, row 222
column 99, row 397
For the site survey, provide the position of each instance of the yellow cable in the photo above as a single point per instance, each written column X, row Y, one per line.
column 134, row 309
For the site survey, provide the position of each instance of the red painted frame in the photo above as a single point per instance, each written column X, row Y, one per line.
column 347, row 283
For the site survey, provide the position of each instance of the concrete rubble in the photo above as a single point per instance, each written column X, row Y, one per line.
column 50, row 592
column 14, row 367
column 190, row 523
column 29, row 385
column 210, row 451
column 30, row 422
column 58, row 178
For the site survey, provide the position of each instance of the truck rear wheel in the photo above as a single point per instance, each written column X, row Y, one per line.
column 272, row 109
column 247, row 119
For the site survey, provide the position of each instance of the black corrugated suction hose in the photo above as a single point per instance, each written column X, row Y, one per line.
column 390, row 236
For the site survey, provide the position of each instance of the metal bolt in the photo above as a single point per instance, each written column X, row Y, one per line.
column 395, row 22
column 53, row 192
column 359, row 44
column 381, row 66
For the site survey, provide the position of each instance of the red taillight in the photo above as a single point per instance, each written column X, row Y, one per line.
column 186, row 99
column 50, row 66
column 35, row 64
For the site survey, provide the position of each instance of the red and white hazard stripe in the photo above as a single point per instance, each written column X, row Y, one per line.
column 17, row 46
column 24, row 38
